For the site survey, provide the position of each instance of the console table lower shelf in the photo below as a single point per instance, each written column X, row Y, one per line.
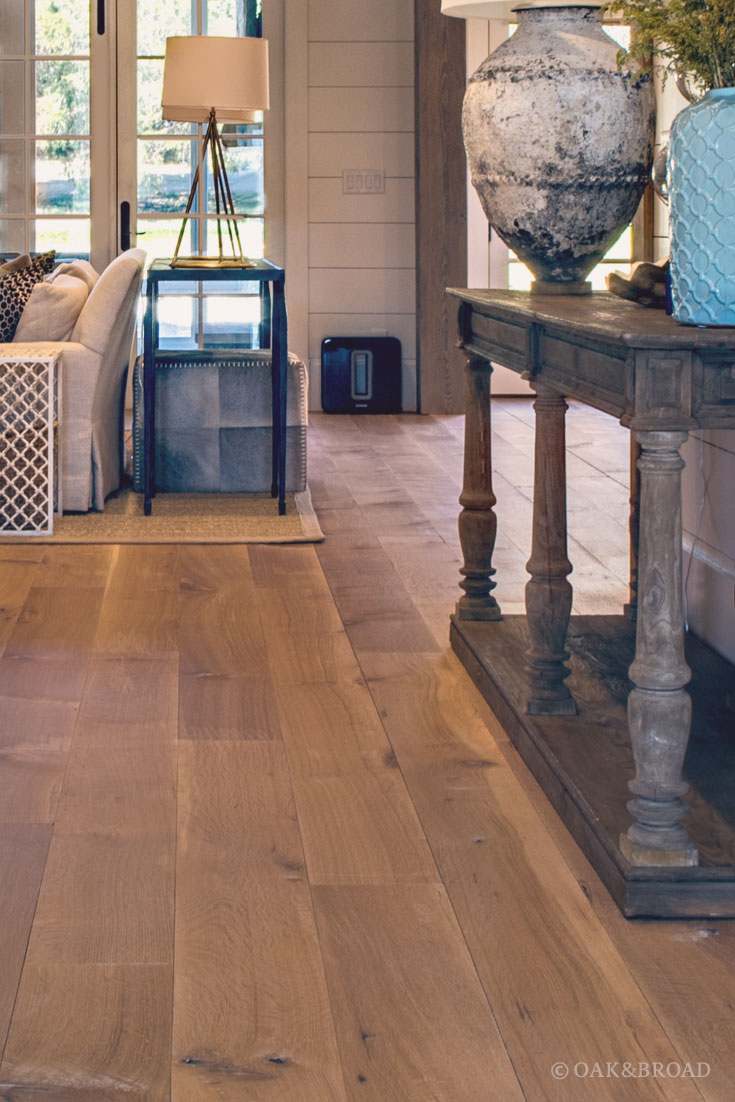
column 584, row 762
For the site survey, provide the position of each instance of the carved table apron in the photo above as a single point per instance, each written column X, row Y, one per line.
column 661, row 380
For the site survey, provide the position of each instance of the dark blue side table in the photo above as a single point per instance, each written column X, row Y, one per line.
column 273, row 335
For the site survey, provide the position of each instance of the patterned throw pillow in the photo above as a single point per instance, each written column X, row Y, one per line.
column 15, row 290
column 16, row 265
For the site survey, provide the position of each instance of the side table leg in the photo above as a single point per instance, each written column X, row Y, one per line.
column 659, row 708
column 548, row 592
column 477, row 521
column 279, row 348
column 149, row 398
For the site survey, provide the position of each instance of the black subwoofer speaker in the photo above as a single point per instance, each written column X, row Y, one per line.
column 361, row 375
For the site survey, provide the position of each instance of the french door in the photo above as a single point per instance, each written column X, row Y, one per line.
column 48, row 54
column 87, row 165
column 156, row 161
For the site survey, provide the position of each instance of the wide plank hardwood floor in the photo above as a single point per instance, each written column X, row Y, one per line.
column 261, row 839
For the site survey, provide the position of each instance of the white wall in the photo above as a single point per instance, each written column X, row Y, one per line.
column 350, row 105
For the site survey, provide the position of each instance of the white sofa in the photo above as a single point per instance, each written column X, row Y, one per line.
column 94, row 368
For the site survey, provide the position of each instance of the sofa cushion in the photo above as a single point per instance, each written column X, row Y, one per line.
column 52, row 309
column 15, row 290
column 82, row 269
column 96, row 324
column 16, row 265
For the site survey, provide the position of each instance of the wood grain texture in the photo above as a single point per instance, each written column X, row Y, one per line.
column 441, row 204
column 90, row 1033
column 357, row 821
column 35, row 739
column 18, row 571
column 142, row 599
column 252, row 1016
column 107, row 894
column 47, row 653
column 411, row 1016
column 23, row 849
column 105, row 899
column 567, row 994
column 304, row 636
column 382, row 986
column 225, row 686
column 676, row 964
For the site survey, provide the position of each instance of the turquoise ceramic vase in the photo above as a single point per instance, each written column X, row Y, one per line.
column 702, row 205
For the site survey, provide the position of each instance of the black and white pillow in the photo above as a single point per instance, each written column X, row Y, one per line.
column 15, row 290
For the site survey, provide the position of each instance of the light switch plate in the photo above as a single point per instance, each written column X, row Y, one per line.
column 363, row 181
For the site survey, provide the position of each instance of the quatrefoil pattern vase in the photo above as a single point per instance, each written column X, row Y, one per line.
column 702, row 205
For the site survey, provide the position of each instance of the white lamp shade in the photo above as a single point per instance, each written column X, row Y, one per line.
column 481, row 9
column 202, row 72
column 503, row 9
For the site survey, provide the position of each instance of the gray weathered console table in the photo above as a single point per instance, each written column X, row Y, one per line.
column 661, row 380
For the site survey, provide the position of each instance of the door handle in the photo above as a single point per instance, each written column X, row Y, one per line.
column 124, row 225
column 100, row 16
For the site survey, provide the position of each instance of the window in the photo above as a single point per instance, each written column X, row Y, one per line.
column 45, row 127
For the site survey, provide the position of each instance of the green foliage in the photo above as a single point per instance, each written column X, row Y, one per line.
column 62, row 87
column 694, row 38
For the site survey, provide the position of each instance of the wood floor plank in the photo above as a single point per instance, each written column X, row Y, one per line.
column 220, row 623
column 81, row 566
column 252, row 1017
column 225, row 687
column 23, row 849
column 362, row 830
column 90, row 1033
column 106, row 898
column 404, row 986
column 557, row 985
column 224, row 706
column 128, row 694
column 412, row 1021
column 142, row 603
column 47, row 653
column 107, row 893
column 35, row 740
column 305, row 638
column 686, row 969
column 357, row 821
column 18, row 571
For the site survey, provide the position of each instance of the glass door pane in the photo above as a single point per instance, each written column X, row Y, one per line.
column 45, row 132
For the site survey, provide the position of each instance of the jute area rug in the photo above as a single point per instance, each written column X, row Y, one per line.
column 189, row 518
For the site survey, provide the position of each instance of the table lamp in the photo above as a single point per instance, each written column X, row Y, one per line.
column 214, row 80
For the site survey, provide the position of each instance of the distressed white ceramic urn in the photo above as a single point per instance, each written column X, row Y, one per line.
column 559, row 142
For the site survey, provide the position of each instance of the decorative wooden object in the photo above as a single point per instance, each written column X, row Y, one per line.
column 659, row 710
column 548, row 593
column 661, row 380
column 634, row 522
column 477, row 521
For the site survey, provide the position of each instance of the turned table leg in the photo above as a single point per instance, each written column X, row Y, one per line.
column 631, row 607
column 477, row 521
column 548, row 593
column 659, row 708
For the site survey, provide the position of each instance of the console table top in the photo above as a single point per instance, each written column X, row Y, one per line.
column 599, row 314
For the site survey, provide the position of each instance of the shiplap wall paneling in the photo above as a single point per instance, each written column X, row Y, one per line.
column 441, row 205
column 361, row 116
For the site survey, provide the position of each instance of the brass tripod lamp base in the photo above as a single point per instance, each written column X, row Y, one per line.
column 226, row 258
